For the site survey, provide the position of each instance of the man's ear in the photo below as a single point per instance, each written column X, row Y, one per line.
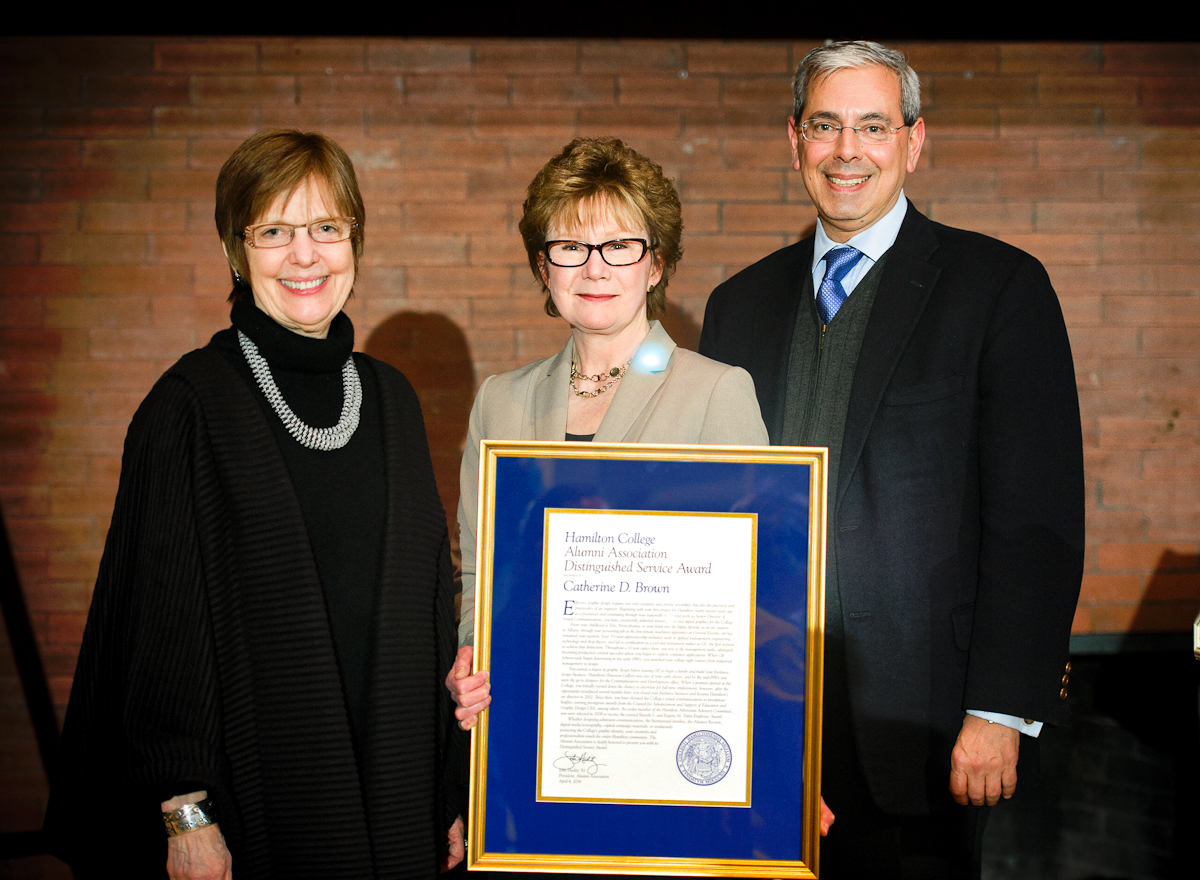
column 794, row 138
column 916, row 138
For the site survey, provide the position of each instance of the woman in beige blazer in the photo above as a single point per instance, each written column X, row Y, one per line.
column 602, row 228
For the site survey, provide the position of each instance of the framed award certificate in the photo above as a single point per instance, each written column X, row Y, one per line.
column 652, row 619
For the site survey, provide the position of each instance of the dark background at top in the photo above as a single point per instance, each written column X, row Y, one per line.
column 728, row 20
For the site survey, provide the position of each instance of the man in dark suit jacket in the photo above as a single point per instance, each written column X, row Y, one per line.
column 945, row 390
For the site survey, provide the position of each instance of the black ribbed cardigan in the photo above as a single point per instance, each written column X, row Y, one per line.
column 208, row 654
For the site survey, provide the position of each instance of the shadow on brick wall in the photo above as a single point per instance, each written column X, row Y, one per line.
column 681, row 327
column 1172, row 596
column 432, row 351
column 1118, row 794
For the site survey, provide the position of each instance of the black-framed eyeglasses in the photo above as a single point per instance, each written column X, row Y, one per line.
column 273, row 235
column 618, row 252
column 823, row 131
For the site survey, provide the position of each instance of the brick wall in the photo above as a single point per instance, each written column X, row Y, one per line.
column 1085, row 155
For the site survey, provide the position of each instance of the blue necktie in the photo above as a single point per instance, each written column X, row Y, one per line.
column 838, row 263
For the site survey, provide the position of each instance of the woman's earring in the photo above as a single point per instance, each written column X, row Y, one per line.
column 237, row 276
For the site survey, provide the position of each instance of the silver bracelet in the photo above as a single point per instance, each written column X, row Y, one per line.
column 189, row 817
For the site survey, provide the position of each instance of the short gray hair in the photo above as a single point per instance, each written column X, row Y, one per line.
column 824, row 60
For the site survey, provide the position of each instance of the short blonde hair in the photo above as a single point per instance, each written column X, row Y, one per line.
column 276, row 163
column 593, row 176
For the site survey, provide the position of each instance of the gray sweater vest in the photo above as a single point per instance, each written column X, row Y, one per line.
column 820, row 375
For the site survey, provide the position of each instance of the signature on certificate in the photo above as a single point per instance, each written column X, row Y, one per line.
column 581, row 761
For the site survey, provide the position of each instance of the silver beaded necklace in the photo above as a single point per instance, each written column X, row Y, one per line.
column 321, row 439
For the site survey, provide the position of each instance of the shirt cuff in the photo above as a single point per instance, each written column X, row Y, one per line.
column 1024, row 725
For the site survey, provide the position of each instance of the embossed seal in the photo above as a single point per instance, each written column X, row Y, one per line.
column 703, row 757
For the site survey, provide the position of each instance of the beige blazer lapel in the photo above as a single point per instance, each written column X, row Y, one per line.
column 637, row 389
column 549, row 398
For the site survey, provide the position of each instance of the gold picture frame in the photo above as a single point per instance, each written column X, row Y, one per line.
column 757, row 517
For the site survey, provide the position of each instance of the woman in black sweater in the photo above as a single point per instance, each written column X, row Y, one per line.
column 273, row 613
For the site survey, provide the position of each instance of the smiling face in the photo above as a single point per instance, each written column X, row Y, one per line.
column 596, row 298
column 851, row 183
column 302, row 285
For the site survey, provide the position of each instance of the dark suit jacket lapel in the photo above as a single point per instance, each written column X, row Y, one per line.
column 908, row 278
column 772, row 344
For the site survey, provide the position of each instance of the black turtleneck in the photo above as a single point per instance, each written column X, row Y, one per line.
column 342, row 492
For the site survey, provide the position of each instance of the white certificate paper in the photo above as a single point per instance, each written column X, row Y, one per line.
column 647, row 657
